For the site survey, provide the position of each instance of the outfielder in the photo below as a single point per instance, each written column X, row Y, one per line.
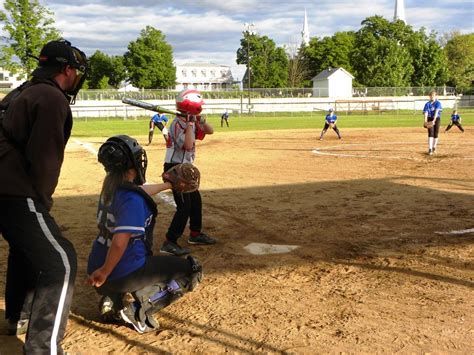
column 181, row 148
column 330, row 121
column 432, row 116
column 158, row 120
column 456, row 121
column 225, row 117
column 134, row 284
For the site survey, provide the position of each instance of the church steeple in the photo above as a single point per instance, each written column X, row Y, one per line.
column 305, row 32
column 399, row 13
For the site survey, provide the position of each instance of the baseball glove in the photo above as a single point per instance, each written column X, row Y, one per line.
column 332, row 125
column 184, row 177
column 428, row 124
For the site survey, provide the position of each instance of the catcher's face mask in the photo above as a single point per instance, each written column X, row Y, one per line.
column 120, row 153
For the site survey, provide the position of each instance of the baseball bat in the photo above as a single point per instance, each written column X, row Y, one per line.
column 150, row 107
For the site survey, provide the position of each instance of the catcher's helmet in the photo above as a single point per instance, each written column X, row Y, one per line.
column 189, row 101
column 120, row 153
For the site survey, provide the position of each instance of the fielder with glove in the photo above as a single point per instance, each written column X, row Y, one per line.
column 330, row 122
column 432, row 121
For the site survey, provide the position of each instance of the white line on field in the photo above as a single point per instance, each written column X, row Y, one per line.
column 462, row 231
column 88, row 146
column 326, row 151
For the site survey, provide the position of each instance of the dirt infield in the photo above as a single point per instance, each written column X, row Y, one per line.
column 385, row 254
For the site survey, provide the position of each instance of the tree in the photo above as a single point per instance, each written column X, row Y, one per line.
column 268, row 63
column 103, row 66
column 428, row 59
column 29, row 27
column 460, row 55
column 380, row 56
column 330, row 52
column 149, row 61
column 297, row 66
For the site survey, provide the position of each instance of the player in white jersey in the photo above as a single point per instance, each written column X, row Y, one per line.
column 181, row 148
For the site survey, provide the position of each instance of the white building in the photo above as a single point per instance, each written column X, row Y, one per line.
column 9, row 80
column 203, row 76
column 334, row 83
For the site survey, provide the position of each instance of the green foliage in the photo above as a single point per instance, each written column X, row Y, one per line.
column 104, row 66
column 428, row 59
column 329, row 52
column 268, row 63
column 460, row 53
column 380, row 56
column 149, row 61
column 28, row 26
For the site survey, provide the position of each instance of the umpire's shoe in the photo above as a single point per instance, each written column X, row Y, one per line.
column 202, row 239
column 173, row 248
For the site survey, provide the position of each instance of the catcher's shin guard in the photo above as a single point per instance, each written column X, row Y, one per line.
column 158, row 296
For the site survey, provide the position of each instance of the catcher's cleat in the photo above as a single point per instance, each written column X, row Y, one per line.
column 129, row 314
column 172, row 248
column 17, row 327
column 202, row 239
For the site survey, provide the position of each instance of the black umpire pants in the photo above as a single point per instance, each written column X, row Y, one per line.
column 188, row 206
column 38, row 249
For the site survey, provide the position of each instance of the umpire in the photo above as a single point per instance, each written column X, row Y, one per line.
column 36, row 126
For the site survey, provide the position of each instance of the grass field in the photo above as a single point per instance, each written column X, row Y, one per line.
column 106, row 128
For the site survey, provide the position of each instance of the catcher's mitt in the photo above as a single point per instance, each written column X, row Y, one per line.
column 184, row 177
column 428, row 124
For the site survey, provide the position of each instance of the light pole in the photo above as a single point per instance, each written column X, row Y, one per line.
column 249, row 29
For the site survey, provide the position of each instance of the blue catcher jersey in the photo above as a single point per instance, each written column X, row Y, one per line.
column 431, row 107
column 159, row 118
column 128, row 213
column 331, row 118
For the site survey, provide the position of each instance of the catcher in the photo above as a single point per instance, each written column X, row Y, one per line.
column 181, row 148
column 432, row 120
column 134, row 283
column 455, row 121
column 330, row 121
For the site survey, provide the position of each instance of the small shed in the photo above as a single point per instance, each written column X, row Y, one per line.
column 333, row 82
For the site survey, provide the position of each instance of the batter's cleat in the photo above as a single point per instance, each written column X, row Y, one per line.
column 202, row 239
column 430, row 151
column 320, row 138
column 172, row 248
column 17, row 327
column 129, row 314
column 434, row 150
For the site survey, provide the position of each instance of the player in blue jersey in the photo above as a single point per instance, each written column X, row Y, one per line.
column 330, row 121
column 134, row 283
column 432, row 112
column 159, row 120
column 225, row 117
column 456, row 121
column 181, row 148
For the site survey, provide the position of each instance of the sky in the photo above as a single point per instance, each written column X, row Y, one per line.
column 210, row 31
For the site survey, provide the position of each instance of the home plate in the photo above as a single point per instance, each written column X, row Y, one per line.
column 262, row 249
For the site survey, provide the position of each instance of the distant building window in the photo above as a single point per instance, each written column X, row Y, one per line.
column 203, row 72
column 183, row 72
column 223, row 72
column 2, row 76
column 194, row 72
column 213, row 73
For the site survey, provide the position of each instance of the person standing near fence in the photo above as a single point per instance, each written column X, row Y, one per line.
column 330, row 121
column 36, row 126
column 432, row 116
column 455, row 121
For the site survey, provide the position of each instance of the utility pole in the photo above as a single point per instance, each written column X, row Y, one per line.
column 249, row 30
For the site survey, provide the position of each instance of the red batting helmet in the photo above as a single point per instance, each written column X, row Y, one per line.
column 189, row 101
